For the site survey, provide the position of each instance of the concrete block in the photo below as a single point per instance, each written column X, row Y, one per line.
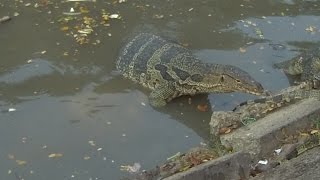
column 233, row 166
column 264, row 136
column 304, row 167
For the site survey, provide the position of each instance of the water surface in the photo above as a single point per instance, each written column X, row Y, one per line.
column 66, row 98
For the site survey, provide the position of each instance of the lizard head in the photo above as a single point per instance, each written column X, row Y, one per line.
column 236, row 79
column 228, row 79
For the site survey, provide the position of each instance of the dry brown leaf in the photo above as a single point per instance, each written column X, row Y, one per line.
column 224, row 130
column 64, row 28
column 202, row 107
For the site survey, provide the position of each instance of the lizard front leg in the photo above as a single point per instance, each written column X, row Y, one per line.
column 162, row 94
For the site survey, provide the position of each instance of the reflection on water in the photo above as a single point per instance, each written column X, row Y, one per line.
column 69, row 100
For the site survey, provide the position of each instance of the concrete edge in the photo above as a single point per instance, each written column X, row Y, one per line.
column 253, row 142
column 264, row 136
column 232, row 166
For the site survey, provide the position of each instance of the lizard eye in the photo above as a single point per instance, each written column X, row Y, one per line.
column 238, row 81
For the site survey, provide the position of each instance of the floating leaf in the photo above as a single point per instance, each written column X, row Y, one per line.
column 71, row 13
column 55, row 155
column 20, row 162
column 88, row 20
column 64, row 28
column 114, row 16
column 105, row 17
column 202, row 107
column 83, row 10
column 85, row 31
column 11, row 109
column 92, row 143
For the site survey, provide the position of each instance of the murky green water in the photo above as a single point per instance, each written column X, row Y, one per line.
column 66, row 98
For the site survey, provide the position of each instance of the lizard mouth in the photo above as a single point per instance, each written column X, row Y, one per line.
column 259, row 90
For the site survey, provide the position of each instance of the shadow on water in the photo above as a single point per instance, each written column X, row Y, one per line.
column 185, row 113
column 66, row 98
column 183, row 109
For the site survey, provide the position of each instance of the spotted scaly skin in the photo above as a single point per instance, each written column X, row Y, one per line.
column 170, row 71
column 307, row 65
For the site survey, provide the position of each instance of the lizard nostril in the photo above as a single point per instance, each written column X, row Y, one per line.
column 222, row 79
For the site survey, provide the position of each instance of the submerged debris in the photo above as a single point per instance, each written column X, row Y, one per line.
column 81, row 20
column 202, row 107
